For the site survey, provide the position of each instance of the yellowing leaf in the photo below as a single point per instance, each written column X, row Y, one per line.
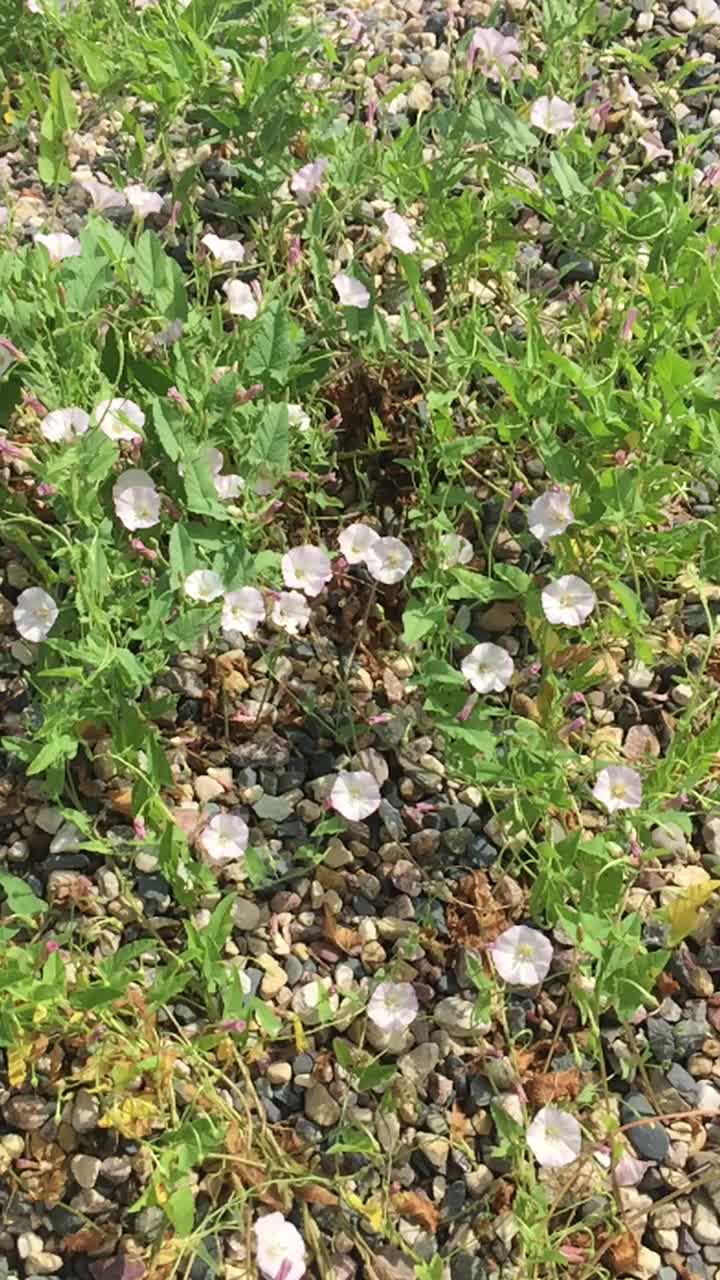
column 683, row 913
column 300, row 1037
column 134, row 1117
column 372, row 1209
column 17, row 1060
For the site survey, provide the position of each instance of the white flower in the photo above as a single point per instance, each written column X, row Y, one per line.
column 142, row 201
column 136, row 500
column 62, row 426
column 212, row 458
column 280, row 1248
column 398, row 232
column 494, row 54
column 355, row 795
column 618, row 787
column 356, row 541
column 521, row 955
column 204, row 585
column 388, row 560
column 488, row 668
column 102, row 196
column 554, row 1137
column 225, row 838
column 297, row 417
column 230, row 486
column 291, row 612
column 393, row 1006
column 223, row 251
column 59, row 245
column 308, row 180
column 550, row 514
column 34, row 614
column 307, row 568
column 568, row 601
column 242, row 611
column 351, row 292
column 120, row 419
column 628, row 1170
column 241, row 299
column 454, row 549
column 553, row 115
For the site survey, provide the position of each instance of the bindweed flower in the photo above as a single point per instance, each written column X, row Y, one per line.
column 398, row 232
column 554, row 1137
column 393, row 1006
column 618, row 787
column 204, row 585
column 356, row 541
column 488, row 668
column 228, row 487
column 62, row 426
column 141, row 201
column 291, row 612
column 241, row 300
column 521, row 955
column 120, row 419
column 629, row 324
column 297, row 417
column 138, row 546
column 355, row 794
column 388, row 560
column 552, row 115
column 308, row 181
column 550, row 514
column 35, row 614
column 242, row 611
column 223, row 251
column 103, row 196
column 294, row 253
column 568, row 601
column 136, row 500
column 59, row 245
column 654, row 148
column 493, row 54
column 628, row 1170
column 306, row 568
column 351, row 292
column 454, row 549
column 279, row 1247
column 224, row 839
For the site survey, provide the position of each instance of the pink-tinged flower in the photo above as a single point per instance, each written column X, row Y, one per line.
column 355, row 794
column 554, row 1137
column 241, row 300
column 550, row 514
column 628, row 1171
column 8, row 355
column 568, row 601
column 711, row 176
column 280, row 1248
column 526, row 178
column 393, row 1006
column 224, row 839
column 618, row 787
column 138, row 546
column 59, row 245
column 62, row 426
column 552, row 115
column 141, row 201
column 351, row 292
column 398, row 232
column 307, row 181
column 120, row 419
column 454, row 549
column 522, row 956
column 139, row 828
column 629, row 325
column 243, row 611
column 136, row 500
column 493, row 54
column 356, row 541
column 654, row 148
column 35, row 614
column 306, row 568
column 102, row 196
column 294, row 254
column 488, row 668
column 204, row 585
column 467, row 708
column 45, row 490
column 223, row 251
column 244, row 397
column 228, row 487
column 291, row 612
column 388, row 560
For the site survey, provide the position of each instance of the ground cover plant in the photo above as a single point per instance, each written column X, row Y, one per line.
column 359, row 596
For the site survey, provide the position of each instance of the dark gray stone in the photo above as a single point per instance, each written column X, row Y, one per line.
column 651, row 1140
column 689, row 1036
column 681, row 1080
column 661, row 1039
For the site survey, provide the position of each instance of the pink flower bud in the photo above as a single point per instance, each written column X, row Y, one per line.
column 139, row 547
column 629, row 324
column 294, row 253
column 178, row 398
column 36, row 406
column 243, row 397
column 45, row 490
column 139, row 828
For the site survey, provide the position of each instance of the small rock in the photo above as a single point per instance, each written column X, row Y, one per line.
column 49, row 820
column 116, row 1169
column 420, row 97
column 67, row 840
column 390, row 1263
column 651, row 1140
column 245, row 914
column 648, row 1264
column 27, row 1112
column 436, row 63
column 705, row 1224
column 711, row 834
column 682, row 19
column 85, row 1112
column 417, row 1065
column 435, row 1150
column 208, row 789
column 639, row 676
column 321, row 1107
column 275, row 808
column 457, row 1016
column 90, row 1202
column 29, row 1245
column 85, row 1170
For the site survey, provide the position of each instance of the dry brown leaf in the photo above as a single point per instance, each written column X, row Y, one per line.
column 573, row 656
column 246, row 1175
column 417, row 1206
column 622, row 1254
column 339, row 934
column 666, row 984
column 311, row 1193
column 458, row 1122
column 474, row 916
column 503, row 1196
column 553, row 1086
column 122, row 802
column 90, row 1240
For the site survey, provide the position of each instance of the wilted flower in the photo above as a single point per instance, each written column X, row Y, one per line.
column 550, row 514
column 355, row 794
column 225, row 838
column 297, row 417
column 224, row 251
column 552, row 115
column 307, row 568
column 280, row 1248
column 454, row 549
column 654, row 147
column 59, row 245
column 493, row 54
column 34, row 614
column 241, row 299
column 526, row 178
column 307, row 181
column 136, row 500
column 291, row 612
column 618, row 787
column 628, row 1171
column 388, row 560
column 102, row 196
column 568, row 601
column 393, row 1006
column 204, row 585
column 554, row 1137
column 120, row 419
column 142, row 201
column 62, row 426
column 521, row 955
column 351, row 292
column 488, row 668
column 243, row 611
column 294, row 253
column 398, row 232
column 356, row 541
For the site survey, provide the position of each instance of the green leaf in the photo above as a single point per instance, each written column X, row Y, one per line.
column 159, row 277
column 566, row 177
column 490, row 121
column 183, row 560
column 20, row 899
column 376, row 1076
column 166, row 429
column 268, row 359
column 59, row 749
column 418, row 622
column 515, row 578
column 476, row 586
column 271, row 443
column 180, row 1210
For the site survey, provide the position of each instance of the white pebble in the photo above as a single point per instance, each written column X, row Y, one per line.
column 682, row 19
